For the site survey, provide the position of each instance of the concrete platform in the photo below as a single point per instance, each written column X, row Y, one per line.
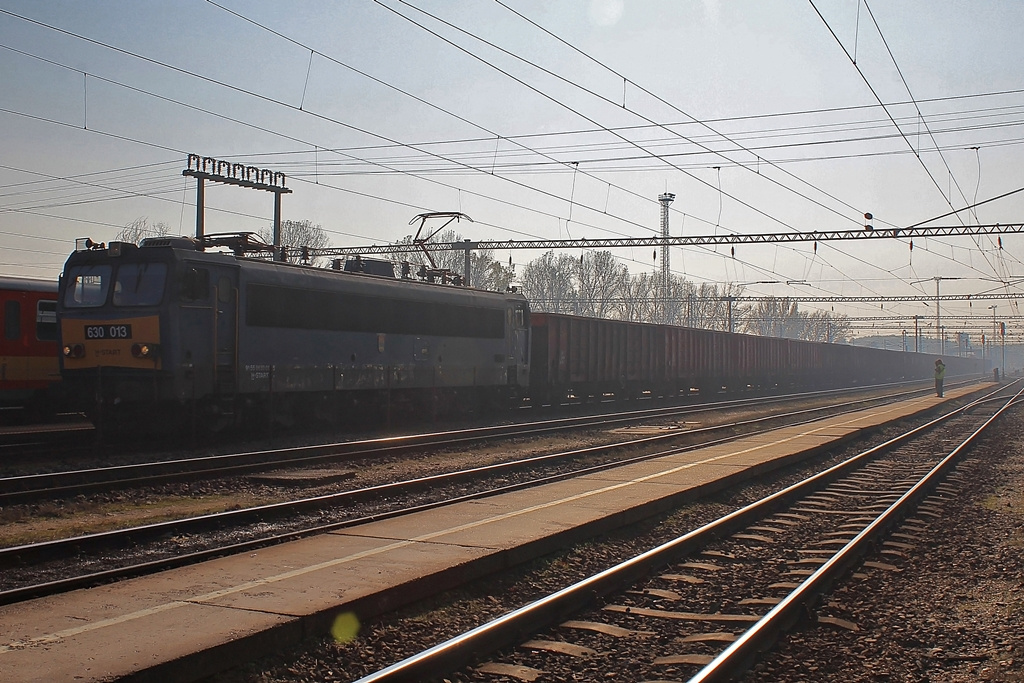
column 186, row 623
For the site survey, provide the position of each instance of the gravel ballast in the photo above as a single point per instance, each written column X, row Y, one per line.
column 953, row 612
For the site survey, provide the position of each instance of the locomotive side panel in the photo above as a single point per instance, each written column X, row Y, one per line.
column 317, row 333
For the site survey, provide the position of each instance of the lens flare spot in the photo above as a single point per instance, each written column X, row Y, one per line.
column 345, row 627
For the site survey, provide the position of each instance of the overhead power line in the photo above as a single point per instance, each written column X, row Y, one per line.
column 795, row 299
column 931, row 176
column 878, row 299
column 987, row 319
column 254, row 94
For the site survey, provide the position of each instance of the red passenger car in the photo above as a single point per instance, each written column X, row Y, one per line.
column 28, row 346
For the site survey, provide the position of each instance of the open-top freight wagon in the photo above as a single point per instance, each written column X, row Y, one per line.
column 588, row 358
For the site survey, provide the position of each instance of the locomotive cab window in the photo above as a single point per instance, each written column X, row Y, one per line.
column 87, row 286
column 225, row 290
column 46, row 321
column 195, row 284
column 12, row 320
column 140, row 284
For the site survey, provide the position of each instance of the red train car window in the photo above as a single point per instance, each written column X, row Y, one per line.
column 46, row 320
column 12, row 320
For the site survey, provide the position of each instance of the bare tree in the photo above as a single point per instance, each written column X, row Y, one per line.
column 823, row 326
column 687, row 304
column 139, row 229
column 638, row 302
column 777, row 317
column 298, row 234
column 680, row 305
column 709, row 307
column 599, row 281
column 489, row 274
column 548, row 283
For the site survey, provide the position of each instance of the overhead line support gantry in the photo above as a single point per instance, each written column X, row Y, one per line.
column 692, row 240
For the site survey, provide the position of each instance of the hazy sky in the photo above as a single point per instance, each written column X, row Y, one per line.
column 539, row 120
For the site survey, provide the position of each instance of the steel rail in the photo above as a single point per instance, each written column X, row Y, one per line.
column 735, row 658
column 30, row 435
column 77, row 543
column 30, row 552
column 19, row 488
column 997, row 399
column 32, row 487
column 510, row 628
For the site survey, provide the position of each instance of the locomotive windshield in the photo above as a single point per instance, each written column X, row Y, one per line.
column 135, row 284
column 140, row 284
column 87, row 286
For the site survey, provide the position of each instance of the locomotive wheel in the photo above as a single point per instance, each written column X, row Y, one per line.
column 213, row 416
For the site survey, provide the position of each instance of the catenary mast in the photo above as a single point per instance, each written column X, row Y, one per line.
column 665, row 199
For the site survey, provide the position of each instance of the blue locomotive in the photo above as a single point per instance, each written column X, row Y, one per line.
column 178, row 327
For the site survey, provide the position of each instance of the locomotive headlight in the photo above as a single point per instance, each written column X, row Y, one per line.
column 145, row 350
column 74, row 351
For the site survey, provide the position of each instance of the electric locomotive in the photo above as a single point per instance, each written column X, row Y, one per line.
column 173, row 329
column 29, row 374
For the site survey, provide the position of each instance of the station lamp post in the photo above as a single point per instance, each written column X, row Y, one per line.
column 729, row 300
column 995, row 331
column 1002, row 344
column 938, row 318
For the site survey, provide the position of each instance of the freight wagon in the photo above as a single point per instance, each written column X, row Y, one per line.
column 590, row 358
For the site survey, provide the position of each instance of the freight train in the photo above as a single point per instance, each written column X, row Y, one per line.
column 588, row 358
column 179, row 328
column 29, row 372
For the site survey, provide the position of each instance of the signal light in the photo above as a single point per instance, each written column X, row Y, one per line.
column 145, row 350
column 74, row 351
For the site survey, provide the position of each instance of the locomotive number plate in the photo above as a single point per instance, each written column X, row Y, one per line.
column 108, row 331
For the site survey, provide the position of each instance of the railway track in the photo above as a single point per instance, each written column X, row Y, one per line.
column 33, row 488
column 89, row 559
column 701, row 607
column 25, row 443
